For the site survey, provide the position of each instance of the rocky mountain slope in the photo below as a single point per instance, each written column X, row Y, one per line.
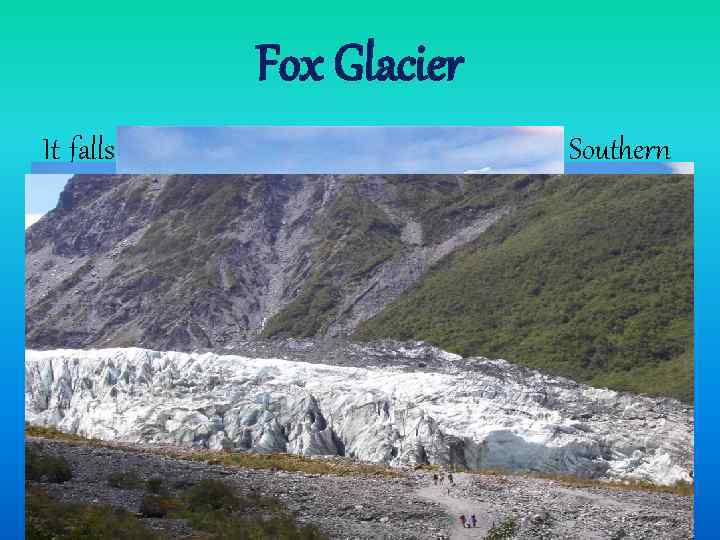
column 183, row 262
column 424, row 406
column 588, row 277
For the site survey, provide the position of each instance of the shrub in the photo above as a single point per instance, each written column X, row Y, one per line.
column 183, row 484
column 686, row 489
column 39, row 467
column 125, row 480
column 155, row 485
column 250, row 527
column 214, row 507
column 156, row 506
column 48, row 519
column 504, row 530
column 50, row 432
column 293, row 463
column 211, row 495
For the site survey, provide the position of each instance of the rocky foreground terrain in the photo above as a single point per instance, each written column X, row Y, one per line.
column 394, row 403
column 406, row 506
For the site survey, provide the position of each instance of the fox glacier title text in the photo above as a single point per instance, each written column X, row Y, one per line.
column 357, row 62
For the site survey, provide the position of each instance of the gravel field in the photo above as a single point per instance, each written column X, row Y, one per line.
column 408, row 506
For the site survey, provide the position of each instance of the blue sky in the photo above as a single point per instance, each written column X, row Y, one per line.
column 629, row 167
column 337, row 149
column 41, row 194
column 319, row 149
column 340, row 149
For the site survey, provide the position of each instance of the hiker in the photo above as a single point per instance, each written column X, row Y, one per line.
column 473, row 520
column 435, row 479
column 450, row 479
column 462, row 520
column 442, row 478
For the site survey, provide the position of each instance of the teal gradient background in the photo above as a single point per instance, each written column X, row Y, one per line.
column 648, row 70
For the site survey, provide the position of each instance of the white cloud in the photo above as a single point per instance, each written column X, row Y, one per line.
column 541, row 130
column 682, row 167
column 543, row 167
column 508, row 152
column 300, row 149
column 484, row 170
column 157, row 142
column 32, row 218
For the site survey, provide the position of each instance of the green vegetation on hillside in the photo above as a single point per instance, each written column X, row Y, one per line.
column 49, row 519
column 591, row 280
column 193, row 212
column 505, row 530
column 445, row 203
column 355, row 237
column 46, row 468
column 212, row 508
column 209, row 507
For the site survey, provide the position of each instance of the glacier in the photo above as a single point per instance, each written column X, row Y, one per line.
column 476, row 412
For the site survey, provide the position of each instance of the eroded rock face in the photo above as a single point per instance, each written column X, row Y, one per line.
column 477, row 413
column 182, row 262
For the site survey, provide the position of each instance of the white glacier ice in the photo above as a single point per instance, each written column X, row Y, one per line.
column 478, row 413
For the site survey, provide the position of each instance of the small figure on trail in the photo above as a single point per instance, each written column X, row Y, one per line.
column 473, row 520
column 450, row 479
column 442, row 478
column 463, row 520
column 435, row 479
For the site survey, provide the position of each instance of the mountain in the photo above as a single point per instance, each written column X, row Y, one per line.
column 585, row 276
column 425, row 406
column 183, row 262
column 593, row 281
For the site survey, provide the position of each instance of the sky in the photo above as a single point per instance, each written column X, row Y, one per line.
column 340, row 149
column 319, row 149
column 629, row 167
column 41, row 194
column 337, row 149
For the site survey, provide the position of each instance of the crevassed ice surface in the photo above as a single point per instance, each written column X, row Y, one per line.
column 495, row 415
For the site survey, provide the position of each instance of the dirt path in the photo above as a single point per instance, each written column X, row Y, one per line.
column 456, row 504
